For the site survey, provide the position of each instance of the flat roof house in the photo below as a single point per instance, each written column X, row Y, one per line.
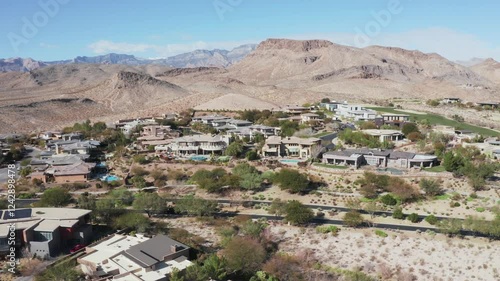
column 45, row 231
column 195, row 144
column 378, row 158
column 385, row 135
column 135, row 258
column 309, row 117
column 290, row 146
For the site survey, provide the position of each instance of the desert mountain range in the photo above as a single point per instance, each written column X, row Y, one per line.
column 212, row 58
column 276, row 72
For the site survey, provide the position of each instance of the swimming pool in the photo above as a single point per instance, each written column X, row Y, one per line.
column 391, row 171
column 290, row 161
column 199, row 158
column 110, row 178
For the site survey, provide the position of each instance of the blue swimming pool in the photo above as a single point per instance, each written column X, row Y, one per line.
column 199, row 158
column 290, row 161
column 110, row 178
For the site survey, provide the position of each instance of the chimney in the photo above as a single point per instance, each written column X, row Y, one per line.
column 173, row 248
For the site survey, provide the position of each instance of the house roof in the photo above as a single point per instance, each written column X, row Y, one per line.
column 377, row 132
column 289, row 140
column 47, row 225
column 154, row 250
column 81, row 168
column 395, row 114
column 401, row 155
column 198, row 138
column 66, row 159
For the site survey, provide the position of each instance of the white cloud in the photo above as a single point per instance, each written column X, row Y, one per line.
column 449, row 43
column 155, row 50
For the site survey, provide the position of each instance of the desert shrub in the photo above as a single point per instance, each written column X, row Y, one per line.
column 398, row 214
column 413, row 217
column 388, row 200
column 380, row 233
column 431, row 219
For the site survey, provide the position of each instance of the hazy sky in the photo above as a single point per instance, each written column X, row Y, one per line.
column 62, row 29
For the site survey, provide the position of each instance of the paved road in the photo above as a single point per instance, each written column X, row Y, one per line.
column 30, row 153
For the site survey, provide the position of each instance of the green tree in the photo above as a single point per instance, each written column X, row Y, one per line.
column 121, row 197
column 431, row 187
column 252, row 155
column 106, row 210
column 413, row 217
column 215, row 180
column 132, row 220
column 195, row 206
column 409, row 128
column 288, row 128
column 388, row 200
column 249, row 176
column 244, row 255
column 175, row 275
column 87, row 201
column 325, row 100
column 55, row 197
column 253, row 228
column 234, row 149
column 398, row 214
column 215, row 267
column 298, row 213
column 431, row 219
column 277, row 207
column 450, row 226
column 353, row 219
column 138, row 182
column 60, row 272
column 291, row 180
column 263, row 276
column 152, row 203
column 251, row 181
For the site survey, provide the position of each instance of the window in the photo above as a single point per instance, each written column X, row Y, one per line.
column 43, row 236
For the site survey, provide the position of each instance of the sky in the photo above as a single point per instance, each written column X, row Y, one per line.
column 63, row 29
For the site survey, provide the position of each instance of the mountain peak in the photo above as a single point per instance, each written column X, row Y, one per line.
column 293, row 45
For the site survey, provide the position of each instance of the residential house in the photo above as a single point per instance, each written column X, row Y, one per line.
column 230, row 124
column 254, row 130
column 290, row 146
column 154, row 135
column 385, row 135
column 309, row 117
column 357, row 112
column 490, row 147
column 330, row 106
column 78, row 172
column 195, row 144
column 135, row 258
column 395, row 119
column 266, row 130
column 488, row 104
column 209, row 119
column 45, row 232
column 50, row 135
column 378, row 158
column 295, row 109
column 127, row 126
